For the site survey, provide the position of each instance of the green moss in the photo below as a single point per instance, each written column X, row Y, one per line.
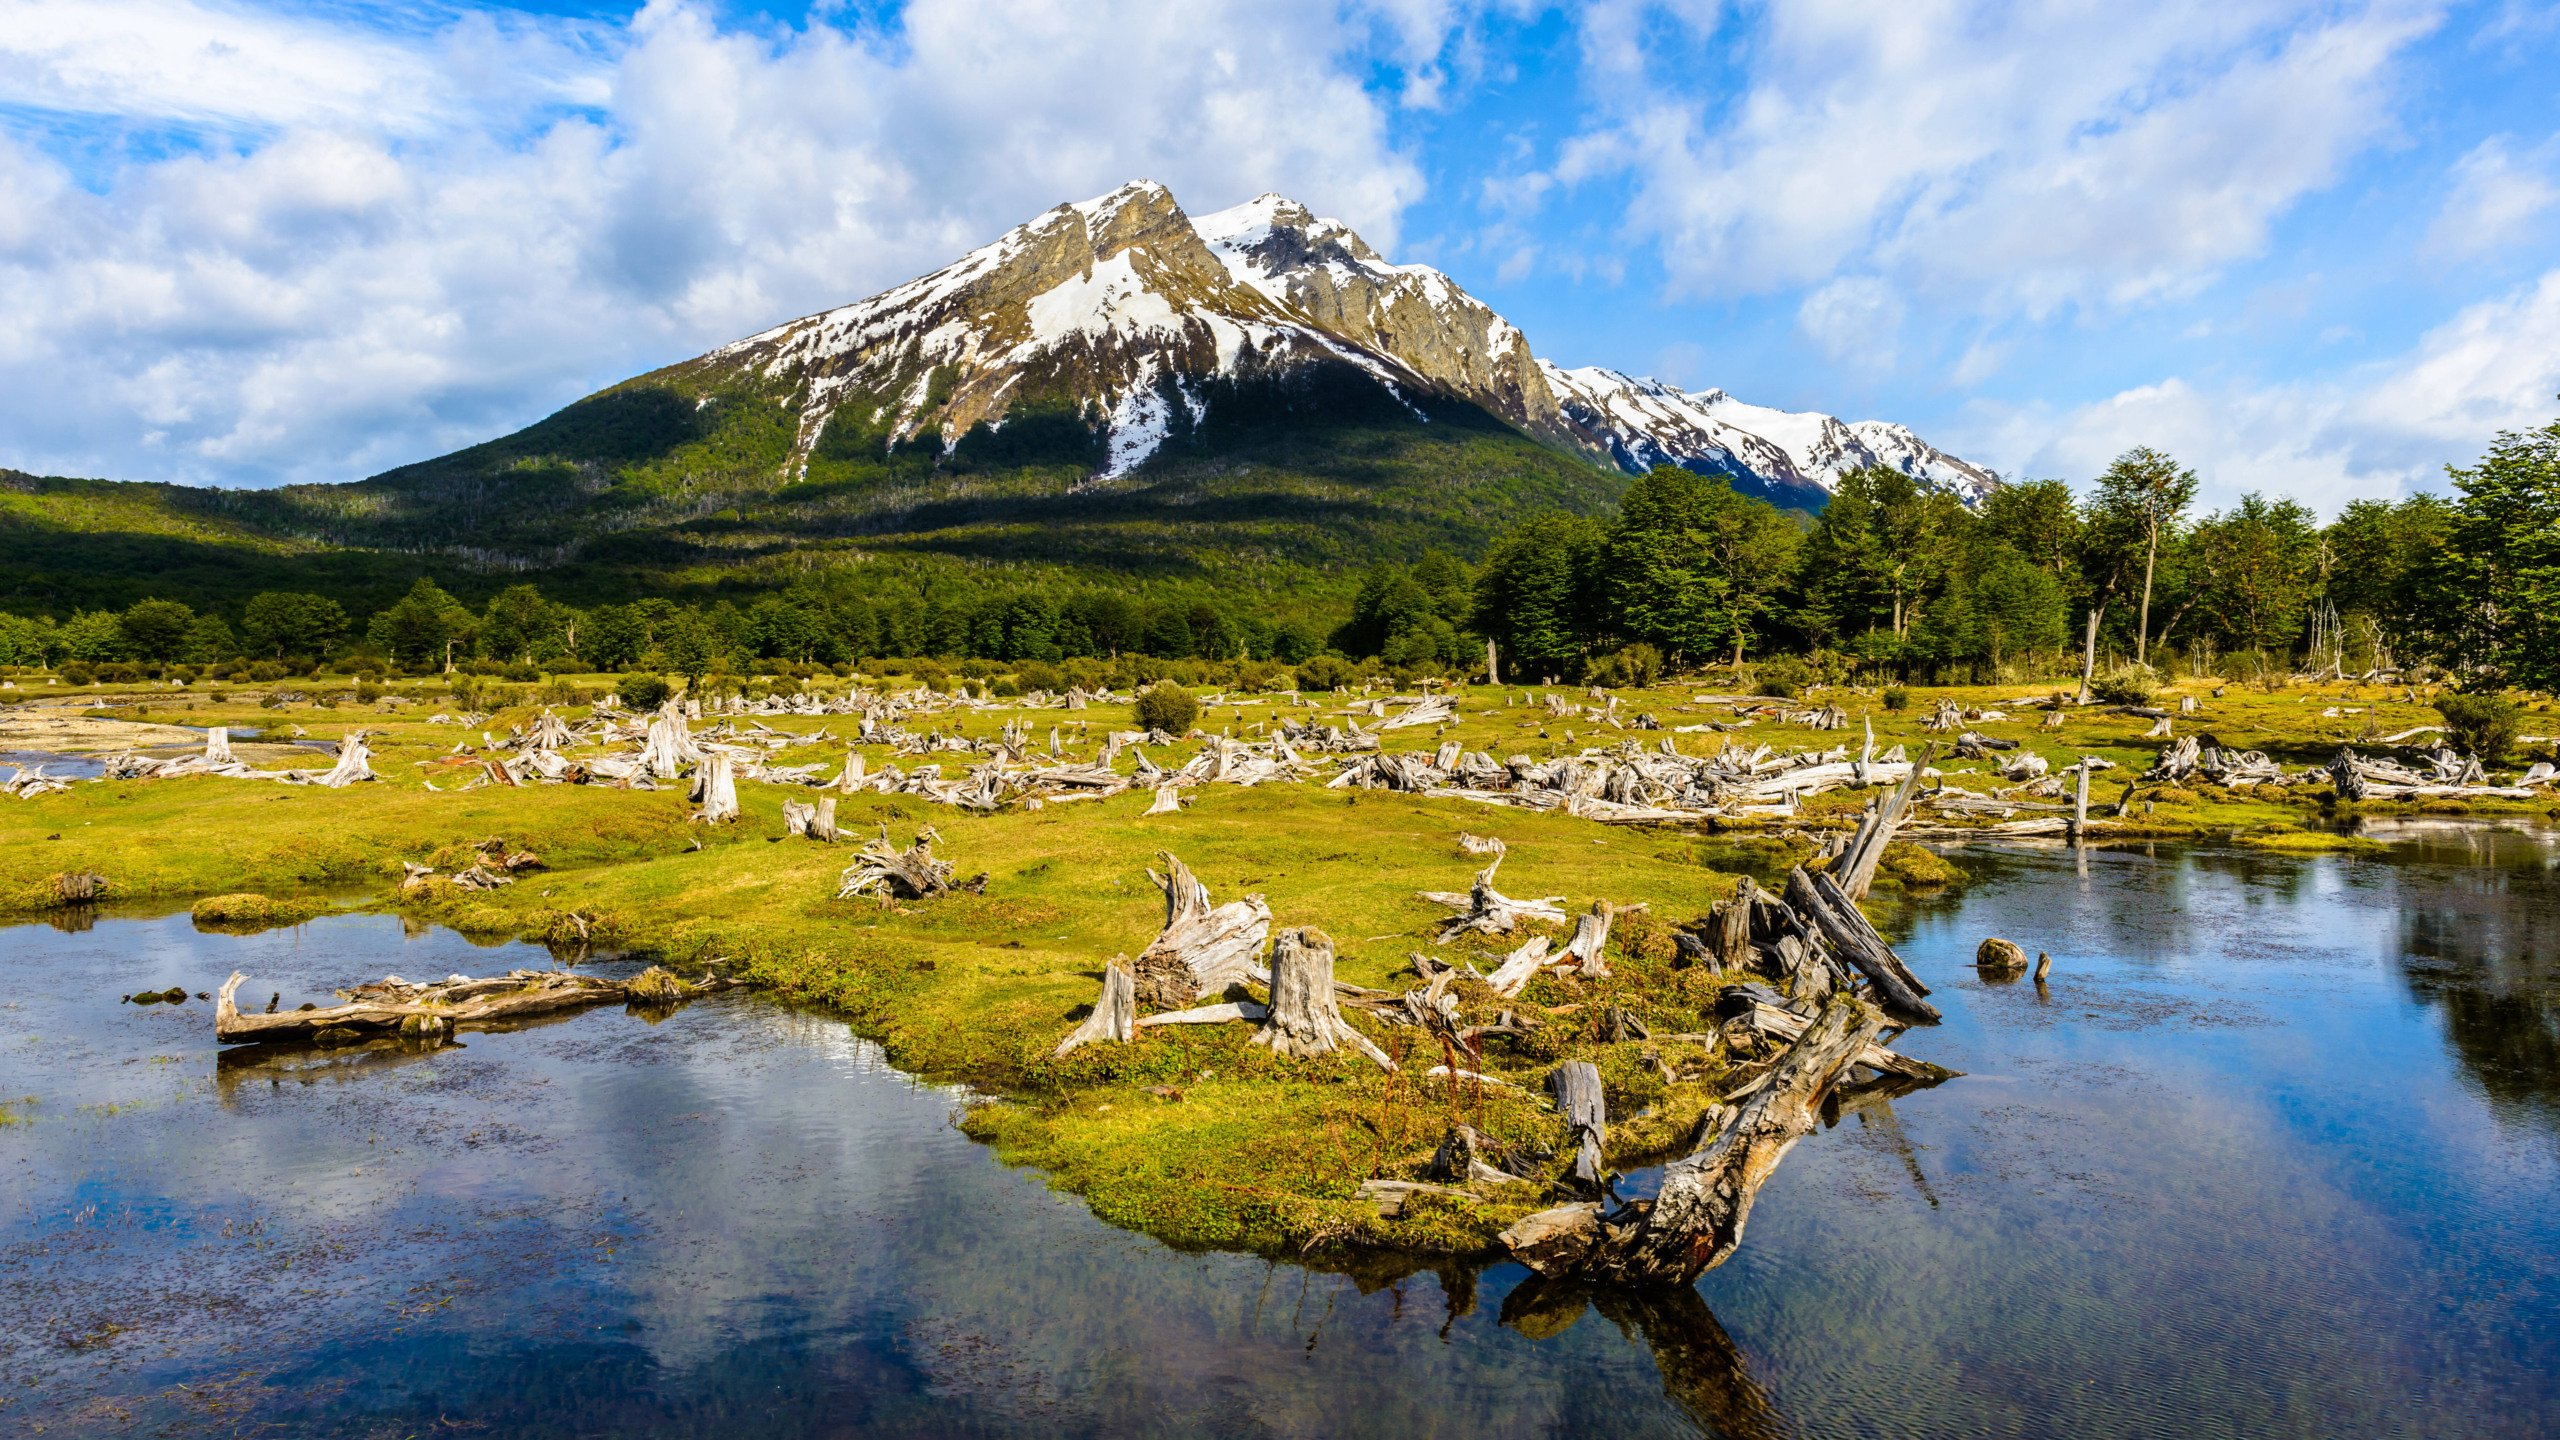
column 248, row 911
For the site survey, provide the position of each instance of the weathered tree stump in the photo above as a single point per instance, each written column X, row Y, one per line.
column 1305, row 1020
column 1590, row 936
column 1576, row 1086
column 1115, row 1015
column 1201, row 951
column 715, row 789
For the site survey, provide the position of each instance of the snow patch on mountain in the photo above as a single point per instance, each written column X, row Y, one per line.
column 1119, row 307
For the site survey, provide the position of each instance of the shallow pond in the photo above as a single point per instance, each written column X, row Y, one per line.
column 2276, row 1151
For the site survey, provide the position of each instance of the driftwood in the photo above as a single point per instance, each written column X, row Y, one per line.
column 1488, row 910
column 891, row 874
column 1856, row 866
column 1481, row 844
column 78, row 887
column 1854, row 940
column 1201, row 951
column 1576, row 1086
column 1779, row 1023
column 395, row 1006
column 1696, row 1222
column 1114, row 1016
column 1590, row 935
column 1168, row 801
column 1304, row 1019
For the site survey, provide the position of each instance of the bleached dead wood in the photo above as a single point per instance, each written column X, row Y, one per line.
column 1852, row 939
column 1489, row 911
column 217, row 746
column 1582, row 954
column 1114, row 1016
column 396, row 1006
column 1857, row 864
column 891, row 874
column 715, row 788
column 1305, row 1021
column 1696, row 1221
column 1168, row 801
column 1519, row 967
column 1201, row 951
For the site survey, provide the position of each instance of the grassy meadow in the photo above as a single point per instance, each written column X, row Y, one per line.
column 1190, row 1133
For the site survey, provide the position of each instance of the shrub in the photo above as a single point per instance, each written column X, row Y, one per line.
column 1783, row 677
column 367, row 692
column 1039, row 675
column 643, row 691
column 1631, row 668
column 267, row 672
column 1896, row 698
column 76, row 673
column 1324, row 672
column 2482, row 725
column 2126, row 685
column 1005, row 686
column 1167, row 707
column 559, row 691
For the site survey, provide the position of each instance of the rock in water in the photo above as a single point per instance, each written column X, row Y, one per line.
column 2004, row 956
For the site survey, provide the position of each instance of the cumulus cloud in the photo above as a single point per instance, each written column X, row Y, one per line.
column 1853, row 320
column 2042, row 155
column 2498, row 198
column 2385, row 429
column 359, row 260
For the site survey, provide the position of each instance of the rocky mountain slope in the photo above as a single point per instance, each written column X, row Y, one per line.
column 1123, row 313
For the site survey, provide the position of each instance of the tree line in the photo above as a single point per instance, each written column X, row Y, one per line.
column 1897, row 580
column 1892, row 580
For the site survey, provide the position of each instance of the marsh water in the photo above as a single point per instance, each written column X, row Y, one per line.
column 2276, row 1151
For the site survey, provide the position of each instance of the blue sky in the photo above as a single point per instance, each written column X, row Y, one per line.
column 2307, row 247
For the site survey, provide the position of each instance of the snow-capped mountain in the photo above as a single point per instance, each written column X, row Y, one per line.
column 1790, row 454
column 1131, row 317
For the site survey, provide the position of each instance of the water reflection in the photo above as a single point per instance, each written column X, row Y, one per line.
column 2238, row 1169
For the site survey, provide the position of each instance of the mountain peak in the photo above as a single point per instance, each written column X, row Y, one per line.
column 1115, row 313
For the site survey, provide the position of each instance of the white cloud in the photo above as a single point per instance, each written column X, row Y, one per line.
column 368, row 262
column 2384, row 429
column 2497, row 201
column 1854, row 320
column 2031, row 157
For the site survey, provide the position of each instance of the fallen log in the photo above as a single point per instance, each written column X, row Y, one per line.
column 1856, row 866
column 1696, row 1222
column 1850, row 937
column 396, row 1006
column 890, row 874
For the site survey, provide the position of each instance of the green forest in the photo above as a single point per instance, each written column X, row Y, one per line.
column 1890, row 581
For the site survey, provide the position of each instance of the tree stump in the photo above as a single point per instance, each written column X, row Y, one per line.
column 1201, row 951
column 1576, row 1086
column 715, row 789
column 1115, row 1015
column 1305, row 1021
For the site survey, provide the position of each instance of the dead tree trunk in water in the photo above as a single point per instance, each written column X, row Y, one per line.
column 1696, row 1222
